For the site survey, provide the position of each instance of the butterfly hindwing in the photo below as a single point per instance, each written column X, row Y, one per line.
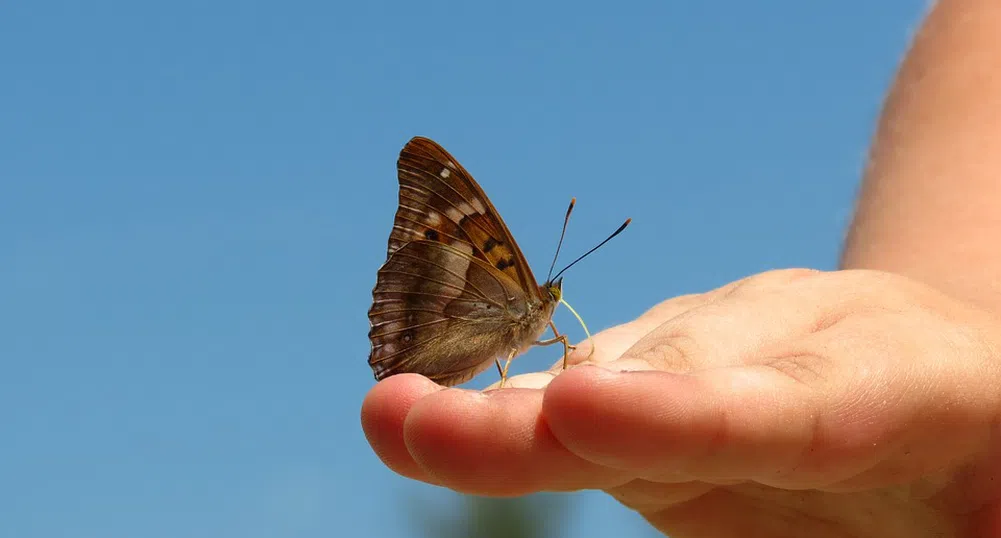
column 440, row 311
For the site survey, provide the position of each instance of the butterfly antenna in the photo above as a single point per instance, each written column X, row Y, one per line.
column 566, row 220
column 607, row 239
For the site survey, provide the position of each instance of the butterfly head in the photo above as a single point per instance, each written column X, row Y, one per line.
column 555, row 289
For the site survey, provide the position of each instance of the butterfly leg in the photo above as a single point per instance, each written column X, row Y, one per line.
column 507, row 364
column 562, row 338
column 566, row 346
column 590, row 353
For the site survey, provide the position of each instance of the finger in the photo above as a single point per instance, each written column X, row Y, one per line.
column 758, row 423
column 728, row 424
column 609, row 344
column 383, row 413
column 613, row 343
column 495, row 443
column 531, row 380
column 741, row 323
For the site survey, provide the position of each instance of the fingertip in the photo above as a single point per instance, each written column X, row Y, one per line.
column 383, row 415
column 461, row 438
column 391, row 398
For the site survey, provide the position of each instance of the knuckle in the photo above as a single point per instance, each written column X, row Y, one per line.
column 671, row 352
column 804, row 368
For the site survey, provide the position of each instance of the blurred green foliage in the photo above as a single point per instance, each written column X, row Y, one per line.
column 541, row 515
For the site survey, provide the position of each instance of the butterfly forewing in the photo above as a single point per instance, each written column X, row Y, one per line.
column 439, row 201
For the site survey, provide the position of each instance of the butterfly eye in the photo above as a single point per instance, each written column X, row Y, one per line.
column 555, row 292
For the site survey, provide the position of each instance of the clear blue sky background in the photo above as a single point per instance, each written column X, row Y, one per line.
column 195, row 197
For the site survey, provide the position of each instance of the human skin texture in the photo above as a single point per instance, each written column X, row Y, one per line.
column 859, row 402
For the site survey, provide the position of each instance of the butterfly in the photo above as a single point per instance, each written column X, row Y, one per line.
column 455, row 294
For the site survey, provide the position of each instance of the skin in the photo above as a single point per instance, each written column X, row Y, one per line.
column 858, row 402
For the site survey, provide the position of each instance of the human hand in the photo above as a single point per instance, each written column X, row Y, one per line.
column 791, row 403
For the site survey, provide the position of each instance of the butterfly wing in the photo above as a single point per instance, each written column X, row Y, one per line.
column 440, row 201
column 441, row 312
column 455, row 292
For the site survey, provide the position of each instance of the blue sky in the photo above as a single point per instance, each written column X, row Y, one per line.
column 195, row 198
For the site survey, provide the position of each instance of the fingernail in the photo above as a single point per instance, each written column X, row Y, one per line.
column 535, row 380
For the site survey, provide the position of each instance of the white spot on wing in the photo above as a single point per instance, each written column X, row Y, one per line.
column 466, row 209
column 434, row 218
column 416, row 234
column 404, row 230
column 451, row 165
column 445, row 172
column 478, row 206
column 454, row 215
column 390, row 326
